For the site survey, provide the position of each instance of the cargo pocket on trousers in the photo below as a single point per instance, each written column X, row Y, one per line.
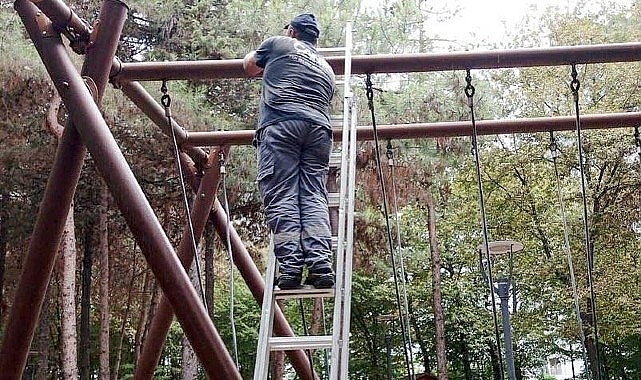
column 265, row 169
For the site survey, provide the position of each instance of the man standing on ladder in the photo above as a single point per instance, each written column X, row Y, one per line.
column 294, row 140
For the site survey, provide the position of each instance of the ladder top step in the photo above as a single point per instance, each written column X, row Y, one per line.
column 307, row 291
column 332, row 51
column 333, row 199
column 335, row 159
column 334, row 48
column 289, row 343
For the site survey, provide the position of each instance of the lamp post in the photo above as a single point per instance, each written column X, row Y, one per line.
column 502, row 289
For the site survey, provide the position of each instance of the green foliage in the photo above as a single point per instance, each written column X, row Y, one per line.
column 519, row 184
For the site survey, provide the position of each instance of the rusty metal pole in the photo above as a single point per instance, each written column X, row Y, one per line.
column 131, row 200
column 445, row 129
column 399, row 63
column 256, row 285
column 60, row 189
column 65, row 20
column 157, row 334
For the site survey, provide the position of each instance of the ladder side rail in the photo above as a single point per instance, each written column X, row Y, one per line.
column 342, row 309
column 347, row 193
column 349, row 253
column 261, row 367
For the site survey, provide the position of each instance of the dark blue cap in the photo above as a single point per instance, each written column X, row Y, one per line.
column 305, row 23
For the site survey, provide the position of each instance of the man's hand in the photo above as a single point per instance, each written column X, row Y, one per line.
column 249, row 65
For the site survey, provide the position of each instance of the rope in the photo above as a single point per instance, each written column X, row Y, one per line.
column 370, row 102
column 566, row 240
column 637, row 141
column 574, row 86
column 399, row 247
column 165, row 100
column 223, row 174
column 469, row 93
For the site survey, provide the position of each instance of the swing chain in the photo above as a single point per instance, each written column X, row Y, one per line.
column 637, row 137
column 221, row 162
column 165, row 99
column 369, row 91
column 553, row 147
column 575, row 84
column 469, row 93
column 390, row 153
column 469, row 89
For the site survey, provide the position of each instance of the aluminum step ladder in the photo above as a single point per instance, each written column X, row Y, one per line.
column 336, row 341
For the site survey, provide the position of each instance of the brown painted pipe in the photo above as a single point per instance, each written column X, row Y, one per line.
column 65, row 20
column 157, row 334
column 445, row 129
column 61, row 184
column 139, row 215
column 399, row 63
column 256, row 285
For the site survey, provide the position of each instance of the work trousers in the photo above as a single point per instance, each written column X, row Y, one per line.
column 293, row 162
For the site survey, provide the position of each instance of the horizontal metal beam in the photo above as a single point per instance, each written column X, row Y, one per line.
column 444, row 129
column 397, row 63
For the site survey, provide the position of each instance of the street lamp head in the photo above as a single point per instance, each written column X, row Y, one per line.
column 501, row 247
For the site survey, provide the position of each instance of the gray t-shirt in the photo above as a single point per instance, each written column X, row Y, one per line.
column 298, row 83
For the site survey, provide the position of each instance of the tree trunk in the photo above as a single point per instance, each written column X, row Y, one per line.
column 103, row 248
column 189, row 369
column 590, row 345
column 278, row 367
column 85, row 303
column 125, row 318
column 67, row 270
column 437, row 300
column 3, row 254
column 465, row 353
column 494, row 357
column 518, row 371
column 149, row 302
column 420, row 340
column 42, row 342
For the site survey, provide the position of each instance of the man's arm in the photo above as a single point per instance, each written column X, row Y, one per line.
column 250, row 66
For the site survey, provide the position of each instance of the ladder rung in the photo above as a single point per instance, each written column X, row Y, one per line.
column 288, row 343
column 335, row 159
column 306, row 291
column 333, row 199
column 331, row 49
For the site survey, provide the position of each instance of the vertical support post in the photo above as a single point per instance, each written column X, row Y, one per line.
column 503, row 291
column 60, row 188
